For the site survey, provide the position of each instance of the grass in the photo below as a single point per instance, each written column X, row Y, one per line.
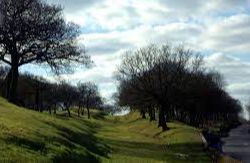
column 28, row 136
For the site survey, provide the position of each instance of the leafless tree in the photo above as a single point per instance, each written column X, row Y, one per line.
column 67, row 95
column 173, row 81
column 89, row 97
column 153, row 72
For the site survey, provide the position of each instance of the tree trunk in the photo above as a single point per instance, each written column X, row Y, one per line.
column 82, row 111
column 68, row 111
column 55, row 109
column 79, row 108
column 11, row 84
column 88, row 112
column 162, row 120
column 7, row 83
column 143, row 114
column 152, row 114
column 37, row 96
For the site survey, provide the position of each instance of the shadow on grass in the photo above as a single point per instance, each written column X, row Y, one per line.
column 25, row 143
column 86, row 139
column 66, row 156
column 70, row 156
column 74, row 143
column 99, row 116
column 174, row 131
column 186, row 152
column 133, row 121
column 62, row 116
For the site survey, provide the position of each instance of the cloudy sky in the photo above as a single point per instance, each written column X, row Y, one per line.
column 218, row 29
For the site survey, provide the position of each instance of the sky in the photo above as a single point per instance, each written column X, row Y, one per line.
column 217, row 29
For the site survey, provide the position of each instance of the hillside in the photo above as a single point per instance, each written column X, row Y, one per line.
column 28, row 136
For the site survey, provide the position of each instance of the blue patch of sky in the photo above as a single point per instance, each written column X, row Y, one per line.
column 207, row 53
column 243, row 57
column 96, row 28
column 92, row 29
column 35, row 69
column 248, row 8
column 224, row 14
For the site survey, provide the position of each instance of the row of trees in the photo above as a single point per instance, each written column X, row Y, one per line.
column 38, row 94
column 173, row 82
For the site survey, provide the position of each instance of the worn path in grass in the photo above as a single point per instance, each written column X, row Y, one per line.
column 28, row 136
column 136, row 140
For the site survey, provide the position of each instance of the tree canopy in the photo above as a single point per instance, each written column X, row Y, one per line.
column 35, row 32
column 173, row 81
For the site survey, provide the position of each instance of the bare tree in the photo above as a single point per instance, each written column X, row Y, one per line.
column 82, row 90
column 172, row 81
column 153, row 72
column 67, row 95
column 91, row 96
column 35, row 32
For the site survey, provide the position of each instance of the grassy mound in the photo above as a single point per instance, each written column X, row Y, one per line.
column 28, row 136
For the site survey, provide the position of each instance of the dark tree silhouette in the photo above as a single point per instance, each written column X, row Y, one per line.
column 82, row 90
column 91, row 97
column 173, row 82
column 38, row 94
column 153, row 72
column 67, row 96
column 35, row 32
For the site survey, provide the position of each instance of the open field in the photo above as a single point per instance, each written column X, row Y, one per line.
column 28, row 136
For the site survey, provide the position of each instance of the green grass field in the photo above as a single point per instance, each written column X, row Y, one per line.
column 28, row 136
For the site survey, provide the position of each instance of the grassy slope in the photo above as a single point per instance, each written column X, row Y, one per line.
column 28, row 136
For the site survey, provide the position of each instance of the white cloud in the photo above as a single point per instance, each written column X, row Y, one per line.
column 230, row 34
column 125, row 14
column 112, row 42
column 236, row 73
column 111, row 27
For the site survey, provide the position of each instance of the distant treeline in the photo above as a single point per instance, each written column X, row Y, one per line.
column 38, row 94
column 173, row 82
